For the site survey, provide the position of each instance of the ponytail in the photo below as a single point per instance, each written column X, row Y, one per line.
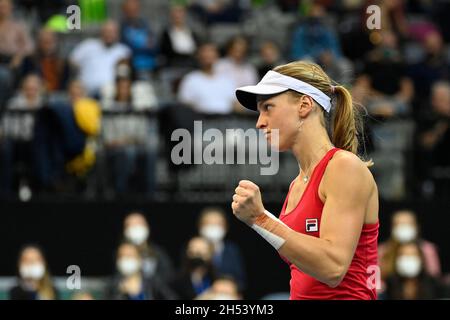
column 347, row 124
column 344, row 121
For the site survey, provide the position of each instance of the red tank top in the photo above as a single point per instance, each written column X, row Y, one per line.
column 305, row 218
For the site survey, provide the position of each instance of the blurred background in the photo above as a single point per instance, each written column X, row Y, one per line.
column 86, row 117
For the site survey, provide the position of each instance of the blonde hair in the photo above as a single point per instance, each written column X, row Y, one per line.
column 344, row 123
column 46, row 290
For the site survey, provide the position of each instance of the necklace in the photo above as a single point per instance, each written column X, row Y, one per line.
column 305, row 172
column 305, row 177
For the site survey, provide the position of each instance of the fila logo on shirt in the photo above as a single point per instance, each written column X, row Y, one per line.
column 312, row 225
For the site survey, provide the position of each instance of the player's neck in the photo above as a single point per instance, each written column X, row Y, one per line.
column 311, row 147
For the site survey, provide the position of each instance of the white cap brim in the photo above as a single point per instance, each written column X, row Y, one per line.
column 247, row 96
column 275, row 83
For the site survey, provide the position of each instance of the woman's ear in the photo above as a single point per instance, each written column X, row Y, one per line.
column 305, row 105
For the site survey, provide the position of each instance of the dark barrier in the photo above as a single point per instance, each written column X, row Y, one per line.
column 86, row 234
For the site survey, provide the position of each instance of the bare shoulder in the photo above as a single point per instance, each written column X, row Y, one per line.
column 347, row 170
column 344, row 160
column 348, row 177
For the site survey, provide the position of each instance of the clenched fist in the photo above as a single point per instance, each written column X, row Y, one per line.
column 247, row 204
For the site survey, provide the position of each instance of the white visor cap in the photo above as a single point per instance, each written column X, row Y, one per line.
column 276, row 83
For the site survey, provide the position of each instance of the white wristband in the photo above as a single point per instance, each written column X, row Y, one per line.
column 274, row 240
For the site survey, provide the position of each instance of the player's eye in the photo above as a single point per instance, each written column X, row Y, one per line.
column 268, row 107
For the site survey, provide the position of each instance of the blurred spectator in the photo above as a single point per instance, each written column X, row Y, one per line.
column 17, row 137
column 392, row 20
column 130, row 283
column 48, row 62
column 127, row 93
column 434, row 66
column 409, row 280
column 34, row 281
column 434, row 140
column 96, row 58
column 223, row 288
column 205, row 90
column 269, row 58
column 61, row 138
column 355, row 38
column 217, row 11
column 313, row 36
column 138, row 36
column 235, row 66
column 178, row 42
column 197, row 274
column 15, row 45
column 405, row 229
column 227, row 259
column 30, row 96
column 129, row 137
column 419, row 30
column 393, row 16
column 384, row 77
column 155, row 260
column 120, row 96
column 386, row 91
column 315, row 39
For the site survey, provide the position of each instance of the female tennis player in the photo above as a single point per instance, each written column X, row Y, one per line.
column 328, row 227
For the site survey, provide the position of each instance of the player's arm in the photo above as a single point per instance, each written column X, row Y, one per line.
column 346, row 188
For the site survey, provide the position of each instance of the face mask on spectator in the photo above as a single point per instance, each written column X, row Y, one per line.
column 128, row 266
column 213, row 232
column 33, row 271
column 404, row 233
column 408, row 266
column 137, row 234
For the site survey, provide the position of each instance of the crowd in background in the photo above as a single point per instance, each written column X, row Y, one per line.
column 63, row 91
column 212, row 267
column 60, row 96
